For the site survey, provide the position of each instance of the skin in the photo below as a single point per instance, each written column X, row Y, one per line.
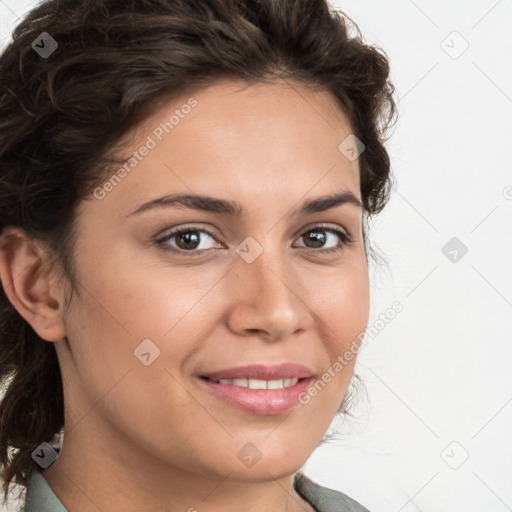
column 149, row 437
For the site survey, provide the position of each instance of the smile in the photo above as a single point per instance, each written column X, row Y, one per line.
column 258, row 383
column 257, row 396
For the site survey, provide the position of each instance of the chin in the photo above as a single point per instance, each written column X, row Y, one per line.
column 267, row 468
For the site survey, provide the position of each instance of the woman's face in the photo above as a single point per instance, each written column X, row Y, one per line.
column 266, row 286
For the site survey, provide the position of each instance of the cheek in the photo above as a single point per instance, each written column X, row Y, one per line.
column 174, row 309
column 341, row 304
column 110, row 320
column 342, row 301
column 144, row 300
column 352, row 314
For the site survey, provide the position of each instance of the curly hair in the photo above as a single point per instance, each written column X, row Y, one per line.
column 61, row 115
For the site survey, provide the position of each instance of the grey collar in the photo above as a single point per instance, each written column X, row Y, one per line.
column 324, row 499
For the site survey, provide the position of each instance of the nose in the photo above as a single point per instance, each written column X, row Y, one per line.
column 268, row 298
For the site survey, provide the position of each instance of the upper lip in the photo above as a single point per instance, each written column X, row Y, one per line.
column 263, row 372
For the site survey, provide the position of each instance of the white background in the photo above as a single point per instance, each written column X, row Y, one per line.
column 439, row 375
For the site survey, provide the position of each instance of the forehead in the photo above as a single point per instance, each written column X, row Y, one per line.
column 239, row 140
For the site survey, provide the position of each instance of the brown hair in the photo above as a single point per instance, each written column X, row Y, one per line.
column 60, row 116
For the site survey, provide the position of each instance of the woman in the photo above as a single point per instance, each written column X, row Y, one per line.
column 184, row 192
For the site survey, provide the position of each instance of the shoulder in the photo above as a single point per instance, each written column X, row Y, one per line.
column 323, row 498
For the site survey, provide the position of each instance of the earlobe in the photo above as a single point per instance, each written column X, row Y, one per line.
column 27, row 284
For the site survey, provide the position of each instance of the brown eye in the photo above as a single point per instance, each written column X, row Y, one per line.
column 319, row 236
column 187, row 240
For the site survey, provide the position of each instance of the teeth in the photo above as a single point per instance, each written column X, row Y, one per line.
column 260, row 384
column 275, row 384
column 257, row 384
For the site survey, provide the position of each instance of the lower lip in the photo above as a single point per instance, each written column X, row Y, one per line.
column 259, row 401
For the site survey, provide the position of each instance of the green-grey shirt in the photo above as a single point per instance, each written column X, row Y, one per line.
column 41, row 498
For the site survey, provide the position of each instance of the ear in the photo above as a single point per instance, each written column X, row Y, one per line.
column 29, row 285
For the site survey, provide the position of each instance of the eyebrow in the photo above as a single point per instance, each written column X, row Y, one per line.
column 223, row 206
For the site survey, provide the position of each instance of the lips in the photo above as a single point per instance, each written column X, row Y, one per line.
column 262, row 372
column 256, row 401
column 259, row 388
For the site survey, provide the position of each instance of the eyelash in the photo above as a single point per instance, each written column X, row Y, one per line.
column 346, row 240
